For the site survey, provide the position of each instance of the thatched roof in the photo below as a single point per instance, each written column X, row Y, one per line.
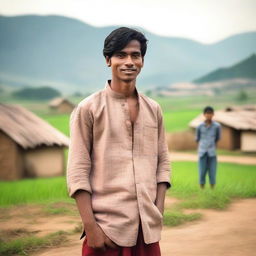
column 27, row 129
column 243, row 107
column 57, row 101
column 236, row 118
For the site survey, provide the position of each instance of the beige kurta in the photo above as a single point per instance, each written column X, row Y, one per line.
column 119, row 168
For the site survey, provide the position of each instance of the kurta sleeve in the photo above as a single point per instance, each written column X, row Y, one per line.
column 163, row 167
column 79, row 156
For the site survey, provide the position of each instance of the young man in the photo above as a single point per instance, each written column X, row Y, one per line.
column 207, row 135
column 118, row 164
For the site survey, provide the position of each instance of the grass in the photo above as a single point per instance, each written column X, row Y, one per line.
column 58, row 208
column 59, row 121
column 178, row 111
column 235, row 153
column 175, row 218
column 174, row 121
column 233, row 180
column 33, row 191
column 222, row 152
column 178, row 120
column 26, row 243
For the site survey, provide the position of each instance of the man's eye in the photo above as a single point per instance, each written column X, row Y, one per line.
column 119, row 55
column 137, row 55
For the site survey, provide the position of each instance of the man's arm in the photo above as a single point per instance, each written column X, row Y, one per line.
column 197, row 133
column 161, row 190
column 218, row 134
column 95, row 236
column 78, row 172
column 79, row 155
column 163, row 168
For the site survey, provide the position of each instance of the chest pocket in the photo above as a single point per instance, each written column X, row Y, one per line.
column 150, row 139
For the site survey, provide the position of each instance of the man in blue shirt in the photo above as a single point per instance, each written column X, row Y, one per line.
column 207, row 135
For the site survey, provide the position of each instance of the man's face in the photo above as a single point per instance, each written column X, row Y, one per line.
column 208, row 116
column 126, row 63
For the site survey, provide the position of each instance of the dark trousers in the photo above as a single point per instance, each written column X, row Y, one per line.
column 207, row 164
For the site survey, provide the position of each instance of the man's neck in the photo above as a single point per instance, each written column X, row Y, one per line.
column 125, row 88
column 208, row 122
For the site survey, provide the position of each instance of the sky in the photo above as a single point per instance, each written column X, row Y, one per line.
column 206, row 21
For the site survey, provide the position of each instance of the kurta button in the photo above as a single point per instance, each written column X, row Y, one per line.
column 128, row 123
column 123, row 104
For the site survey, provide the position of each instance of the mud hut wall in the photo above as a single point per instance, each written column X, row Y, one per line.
column 44, row 162
column 11, row 162
column 184, row 140
column 65, row 107
column 248, row 141
column 227, row 140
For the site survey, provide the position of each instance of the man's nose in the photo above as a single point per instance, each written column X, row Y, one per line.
column 129, row 61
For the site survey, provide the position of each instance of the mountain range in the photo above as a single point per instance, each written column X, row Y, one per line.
column 67, row 54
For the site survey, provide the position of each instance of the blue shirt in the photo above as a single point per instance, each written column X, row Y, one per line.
column 207, row 137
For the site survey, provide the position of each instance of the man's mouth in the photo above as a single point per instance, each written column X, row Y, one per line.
column 128, row 70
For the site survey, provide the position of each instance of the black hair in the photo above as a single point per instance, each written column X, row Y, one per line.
column 119, row 38
column 208, row 109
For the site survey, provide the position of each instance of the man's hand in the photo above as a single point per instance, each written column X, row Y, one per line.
column 161, row 190
column 97, row 239
column 160, row 207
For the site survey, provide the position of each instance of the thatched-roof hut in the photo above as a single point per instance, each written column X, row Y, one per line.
column 29, row 146
column 61, row 105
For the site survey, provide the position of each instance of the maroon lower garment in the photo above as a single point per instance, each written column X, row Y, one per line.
column 140, row 249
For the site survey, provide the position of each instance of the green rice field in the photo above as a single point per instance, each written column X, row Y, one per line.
column 60, row 122
column 177, row 111
column 174, row 121
column 233, row 181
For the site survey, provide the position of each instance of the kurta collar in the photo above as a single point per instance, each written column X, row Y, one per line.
column 116, row 94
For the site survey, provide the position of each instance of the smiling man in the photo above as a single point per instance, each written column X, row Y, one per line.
column 118, row 165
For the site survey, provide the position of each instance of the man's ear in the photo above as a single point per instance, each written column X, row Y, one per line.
column 142, row 61
column 108, row 61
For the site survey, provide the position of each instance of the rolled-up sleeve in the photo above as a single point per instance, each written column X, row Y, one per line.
column 79, row 156
column 163, row 167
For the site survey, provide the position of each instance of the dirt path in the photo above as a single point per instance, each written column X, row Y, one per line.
column 218, row 233
column 182, row 156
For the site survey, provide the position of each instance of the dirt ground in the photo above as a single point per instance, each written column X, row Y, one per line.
column 183, row 156
column 231, row 232
column 222, row 233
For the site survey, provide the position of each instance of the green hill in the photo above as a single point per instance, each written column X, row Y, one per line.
column 66, row 54
column 243, row 69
